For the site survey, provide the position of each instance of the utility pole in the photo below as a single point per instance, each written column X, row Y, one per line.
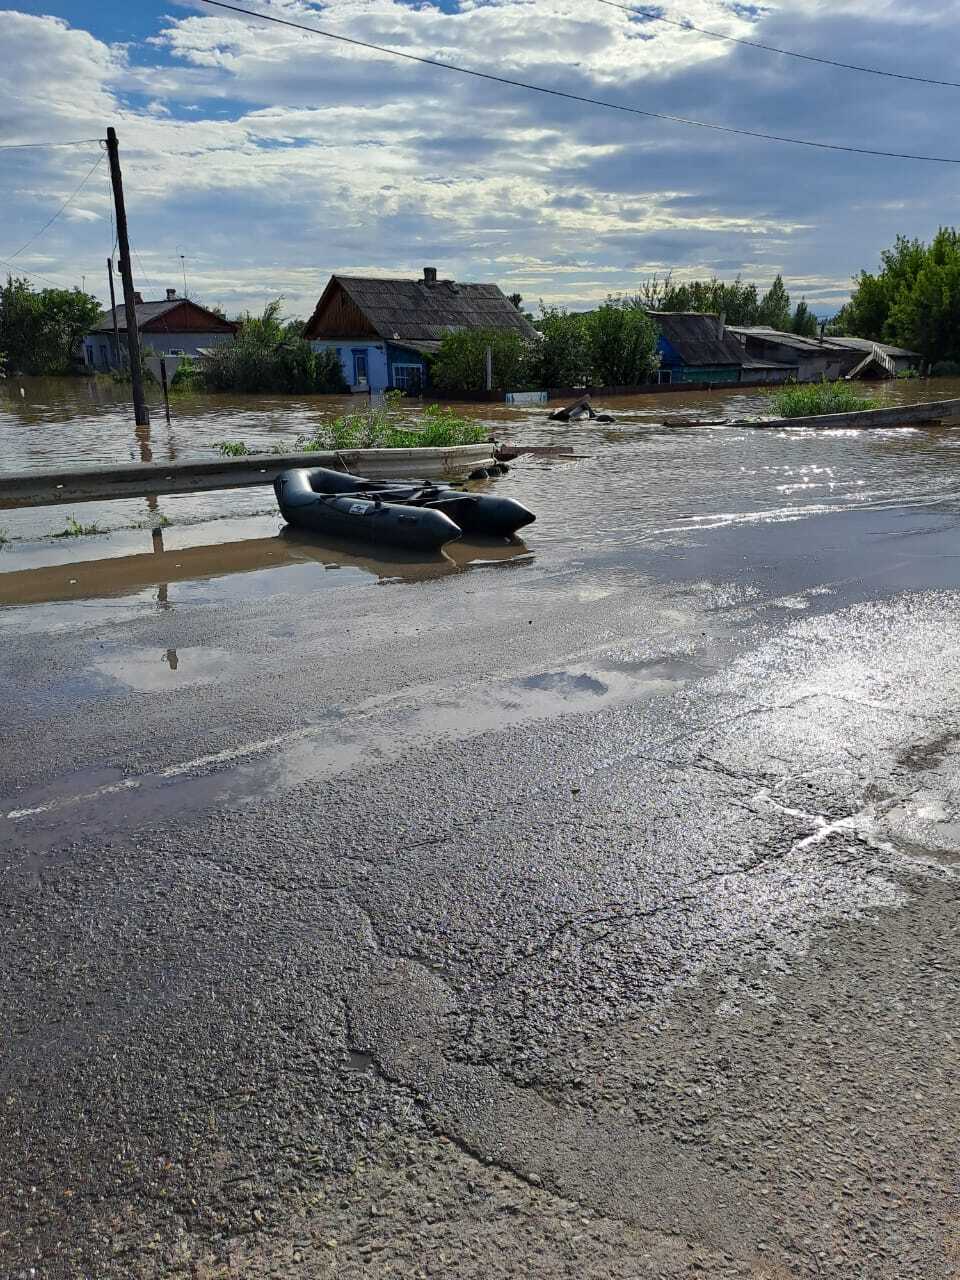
column 113, row 312
column 140, row 411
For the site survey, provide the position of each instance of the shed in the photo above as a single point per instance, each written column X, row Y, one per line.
column 810, row 359
column 384, row 329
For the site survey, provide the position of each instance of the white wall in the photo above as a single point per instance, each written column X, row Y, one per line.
column 188, row 343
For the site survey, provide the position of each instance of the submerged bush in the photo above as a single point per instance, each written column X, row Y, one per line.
column 381, row 428
column 800, row 401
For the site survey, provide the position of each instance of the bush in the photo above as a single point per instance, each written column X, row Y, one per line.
column 379, row 428
column 269, row 355
column 946, row 369
column 562, row 358
column 460, row 364
column 796, row 401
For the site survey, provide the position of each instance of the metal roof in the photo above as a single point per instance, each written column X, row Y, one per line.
column 798, row 342
column 866, row 345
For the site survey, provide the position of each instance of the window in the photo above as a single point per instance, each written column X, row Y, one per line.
column 408, row 377
column 359, row 369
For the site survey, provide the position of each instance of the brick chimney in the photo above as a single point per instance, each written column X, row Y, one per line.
column 429, row 275
column 171, row 295
column 138, row 298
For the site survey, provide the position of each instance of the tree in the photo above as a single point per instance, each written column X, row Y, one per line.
column 39, row 330
column 774, row 307
column 460, row 364
column 517, row 300
column 563, row 356
column 622, row 343
column 804, row 322
column 736, row 301
column 270, row 355
column 913, row 301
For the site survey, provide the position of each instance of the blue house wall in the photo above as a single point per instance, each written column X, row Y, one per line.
column 387, row 365
column 679, row 372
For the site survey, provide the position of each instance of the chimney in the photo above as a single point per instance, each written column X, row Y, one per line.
column 138, row 298
column 721, row 323
column 171, row 295
column 429, row 275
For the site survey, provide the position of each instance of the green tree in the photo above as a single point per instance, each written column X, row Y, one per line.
column 460, row 364
column 562, row 358
column 40, row 330
column 622, row 343
column 269, row 355
column 774, row 307
column 736, row 301
column 804, row 322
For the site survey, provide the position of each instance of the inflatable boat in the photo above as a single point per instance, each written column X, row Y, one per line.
column 421, row 516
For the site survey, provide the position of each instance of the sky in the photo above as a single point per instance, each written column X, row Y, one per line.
column 258, row 159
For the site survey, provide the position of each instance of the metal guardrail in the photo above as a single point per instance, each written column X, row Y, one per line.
column 102, row 484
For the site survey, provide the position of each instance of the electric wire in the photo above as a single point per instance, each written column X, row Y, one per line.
column 69, row 199
column 769, row 48
column 27, row 146
column 576, row 97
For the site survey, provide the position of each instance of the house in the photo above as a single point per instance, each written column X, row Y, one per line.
column 173, row 326
column 696, row 347
column 878, row 359
column 384, row 330
column 808, row 359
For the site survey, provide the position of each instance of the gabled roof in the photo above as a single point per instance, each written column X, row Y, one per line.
column 148, row 313
column 410, row 311
column 698, row 338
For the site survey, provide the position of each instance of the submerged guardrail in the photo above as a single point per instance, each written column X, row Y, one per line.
column 134, row 480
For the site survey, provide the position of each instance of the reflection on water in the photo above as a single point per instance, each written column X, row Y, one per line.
column 291, row 551
column 651, row 482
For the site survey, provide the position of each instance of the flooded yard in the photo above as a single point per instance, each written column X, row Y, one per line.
column 649, row 485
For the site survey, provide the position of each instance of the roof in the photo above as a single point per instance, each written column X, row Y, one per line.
column 149, row 312
column 420, row 311
column 798, row 342
column 698, row 337
column 866, row 345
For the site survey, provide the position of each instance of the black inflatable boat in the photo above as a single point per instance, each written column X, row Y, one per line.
column 422, row 516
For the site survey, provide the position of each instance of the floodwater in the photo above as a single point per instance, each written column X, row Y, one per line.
column 648, row 484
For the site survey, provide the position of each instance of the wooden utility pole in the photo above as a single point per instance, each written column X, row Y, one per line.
column 113, row 312
column 140, row 411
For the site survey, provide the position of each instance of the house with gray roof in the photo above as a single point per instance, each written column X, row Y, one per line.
column 695, row 346
column 809, row 359
column 171, row 326
column 384, row 330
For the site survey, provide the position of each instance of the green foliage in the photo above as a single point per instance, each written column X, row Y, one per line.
column 946, row 369
column 804, row 322
column 774, row 307
column 738, row 302
column 913, row 301
column 621, row 342
column 231, row 448
column 562, row 358
column 75, row 529
column 380, row 428
column 799, row 401
column 460, row 364
column 40, row 329
column 269, row 355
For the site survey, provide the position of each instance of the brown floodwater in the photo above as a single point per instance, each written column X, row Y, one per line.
column 650, row 482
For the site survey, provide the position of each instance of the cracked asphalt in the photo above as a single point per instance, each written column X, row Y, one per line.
column 590, row 919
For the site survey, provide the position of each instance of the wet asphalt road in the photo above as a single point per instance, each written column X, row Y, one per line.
column 518, row 923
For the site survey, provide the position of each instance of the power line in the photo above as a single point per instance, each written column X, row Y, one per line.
column 26, row 146
column 769, row 48
column 576, row 97
column 31, row 275
column 72, row 196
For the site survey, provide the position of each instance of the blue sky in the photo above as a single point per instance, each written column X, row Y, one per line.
column 269, row 159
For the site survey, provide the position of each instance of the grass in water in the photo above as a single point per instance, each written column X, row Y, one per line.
column 4, row 538
column 231, row 448
column 800, row 401
column 382, row 428
column 75, row 529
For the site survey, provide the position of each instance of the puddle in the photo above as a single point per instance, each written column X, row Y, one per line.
column 153, row 670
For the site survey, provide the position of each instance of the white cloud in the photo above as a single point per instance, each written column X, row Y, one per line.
column 270, row 157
